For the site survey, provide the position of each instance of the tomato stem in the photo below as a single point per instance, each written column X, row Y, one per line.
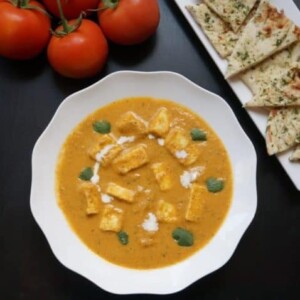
column 20, row 3
column 17, row 3
column 110, row 3
column 67, row 28
column 24, row 4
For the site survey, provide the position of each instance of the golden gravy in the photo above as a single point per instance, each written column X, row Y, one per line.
column 144, row 182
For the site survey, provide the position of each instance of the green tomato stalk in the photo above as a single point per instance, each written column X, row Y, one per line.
column 110, row 3
column 67, row 28
column 20, row 3
column 24, row 4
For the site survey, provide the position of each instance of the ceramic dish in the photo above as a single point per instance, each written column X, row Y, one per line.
column 258, row 116
column 68, row 248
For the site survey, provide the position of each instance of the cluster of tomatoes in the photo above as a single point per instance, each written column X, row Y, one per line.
column 78, row 48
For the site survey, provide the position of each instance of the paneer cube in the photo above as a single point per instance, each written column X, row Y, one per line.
column 193, row 152
column 111, row 155
column 166, row 212
column 105, row 150
column 102, row 141
column 196, row 202
column 160, row 122
column 176, row 140
column 162, row 175
column 131, row 158
column 92, row 197
column 111, row 219
column 120, row 192
column 131, row 124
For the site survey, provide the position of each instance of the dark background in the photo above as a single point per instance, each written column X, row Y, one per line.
column 266, row 263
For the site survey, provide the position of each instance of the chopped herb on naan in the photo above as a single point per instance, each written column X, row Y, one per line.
column 267, row 33
column 234, row 12
column 283, row 129
column 280, row 89
column 256, row 78
column 217, row 31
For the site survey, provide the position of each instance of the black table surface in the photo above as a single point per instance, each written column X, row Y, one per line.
column 266, row 263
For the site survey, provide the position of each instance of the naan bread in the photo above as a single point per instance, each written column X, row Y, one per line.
column 295, row 52
column 234, row 12
column 217, row 31
column 256, row 77
column 261, row 75
column 281, row 89
column 295, row 156
column 268, row 32
column 283, row 129
column 271, row 73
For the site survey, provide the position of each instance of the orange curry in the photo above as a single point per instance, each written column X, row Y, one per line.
column 144, row 182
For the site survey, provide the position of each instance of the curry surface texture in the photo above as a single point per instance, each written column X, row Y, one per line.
column 148, row 238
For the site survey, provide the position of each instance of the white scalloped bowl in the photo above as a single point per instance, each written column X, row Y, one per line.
column 68, row 248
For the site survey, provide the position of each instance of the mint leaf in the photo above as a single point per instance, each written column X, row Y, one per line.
column 198, row 135
column 102, row 126
column 86, row 174
column 183, row 237
column 214, row 185
column 123, row 237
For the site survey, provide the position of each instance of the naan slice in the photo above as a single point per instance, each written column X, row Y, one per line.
column 234, row 12
column 268, row 32
column 283, row 129
column 281, row 89
column 217, row 31
column 295, row 52
column 295, row 156
column 261, row 75
column 258, row 76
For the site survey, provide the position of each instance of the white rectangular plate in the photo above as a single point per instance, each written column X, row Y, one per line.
column 259, row 117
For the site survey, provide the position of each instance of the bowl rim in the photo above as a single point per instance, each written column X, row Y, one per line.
column 153, row 274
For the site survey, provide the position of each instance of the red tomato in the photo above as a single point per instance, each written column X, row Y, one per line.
column 130, row 22
column 79, row 54
column 71, row 8
column 24, row 32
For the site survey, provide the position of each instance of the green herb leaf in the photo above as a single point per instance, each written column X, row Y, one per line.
column 279, row 42
column 86, row 174
column 183, row 237
column 102, row 126
column 123, row 237
column 198, row 135
column 214, row 185
column 207, row 18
